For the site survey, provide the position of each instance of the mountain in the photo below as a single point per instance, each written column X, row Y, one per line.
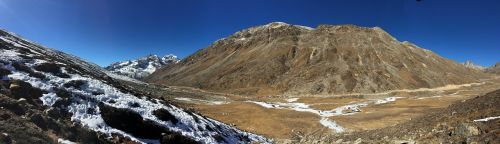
column 471, row 65
column 493, row 69
column 47, row 96
column 141, row 67
column 280, row 58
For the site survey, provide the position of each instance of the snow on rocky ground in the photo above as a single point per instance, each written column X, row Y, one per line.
column 349, row 109
column 209, row 102
column 487, row 119
column 331, row 125
column 94, row 91
column 124, row 78
column 63, row 141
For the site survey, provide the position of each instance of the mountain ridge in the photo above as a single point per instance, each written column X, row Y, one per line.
column 280, row 58
column 141, row 67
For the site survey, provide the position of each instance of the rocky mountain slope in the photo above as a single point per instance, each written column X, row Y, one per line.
column 280, row 58
column 471, row 65
column 47, row 96
column 495, row 69
column 142, row 67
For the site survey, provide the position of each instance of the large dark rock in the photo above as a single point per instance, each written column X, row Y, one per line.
column 176, row 138
column 131, row 122
column 5, row 138
column 4, row 72
column 21, row 89
column 75, row 84
column 51, row 68
column 164, row 115
column 12, row 105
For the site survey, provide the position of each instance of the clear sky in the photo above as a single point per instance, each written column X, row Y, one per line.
column 104, row 31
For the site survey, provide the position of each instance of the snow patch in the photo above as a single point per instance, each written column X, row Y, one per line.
column 202, row 101
column 63, row 141
column 386, row 100
column 331, row 125
column 292, row 100
column 266, row 105
column 487, row 119
column 49, row 99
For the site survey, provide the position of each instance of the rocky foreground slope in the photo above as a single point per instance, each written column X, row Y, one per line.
column 280, row 58
column 141, row 67
column 47, row 96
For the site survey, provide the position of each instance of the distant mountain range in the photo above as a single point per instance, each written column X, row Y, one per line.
column 141, row 67
column 280, row 58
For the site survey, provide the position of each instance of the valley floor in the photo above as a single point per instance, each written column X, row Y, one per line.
column 288, row 119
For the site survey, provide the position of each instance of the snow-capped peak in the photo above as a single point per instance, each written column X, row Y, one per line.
column 471, row 65
column 141, row 67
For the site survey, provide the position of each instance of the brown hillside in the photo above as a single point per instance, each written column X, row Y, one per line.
column 280, row 58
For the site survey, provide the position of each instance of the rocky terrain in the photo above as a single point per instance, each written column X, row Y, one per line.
column 47, row 96
column 285, row 59
column 495, row 69
column 475, row 120
column 141, row 67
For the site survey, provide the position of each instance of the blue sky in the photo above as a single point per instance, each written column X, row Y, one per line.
column 104, row 31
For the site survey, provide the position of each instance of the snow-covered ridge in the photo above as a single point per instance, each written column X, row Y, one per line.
column 245, row 34
column 87, row 99
column 141, row 67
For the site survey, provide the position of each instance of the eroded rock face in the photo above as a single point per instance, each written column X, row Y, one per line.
column 280, row 58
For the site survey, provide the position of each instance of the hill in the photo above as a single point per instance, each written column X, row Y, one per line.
column 280, row 58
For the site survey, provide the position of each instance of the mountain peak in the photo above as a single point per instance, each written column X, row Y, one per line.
column 142, row 67
column 280, row 58
column 471, row 65
column 276, row 24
